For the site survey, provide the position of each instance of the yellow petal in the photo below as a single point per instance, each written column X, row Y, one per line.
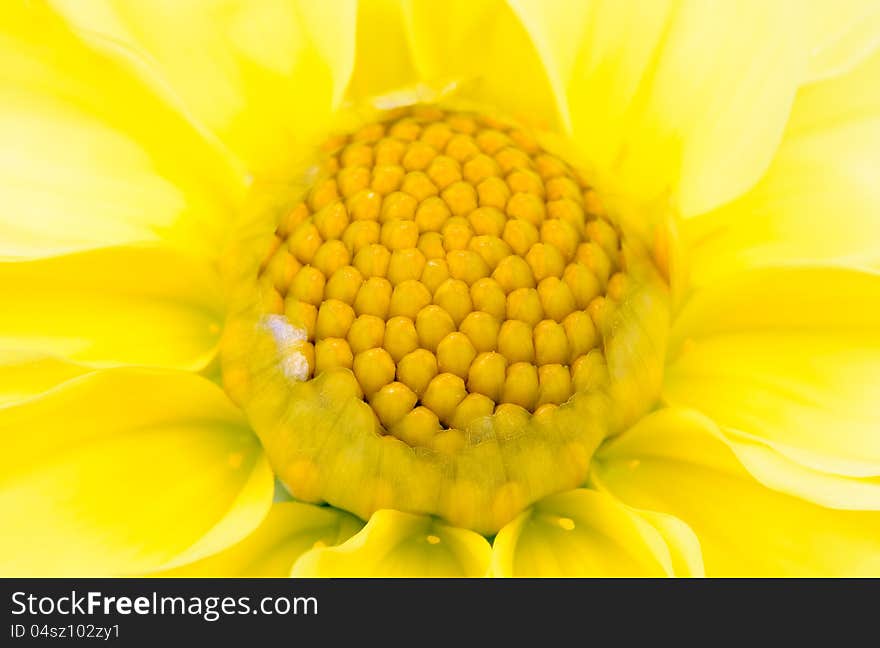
column 775, row 471
column 682, row 542
column 114, row 306
column 261, row 75
column 289, row 530
column 583, row 533
column 841, row 34
column 673, row 103
column 24, row 374
column 820, row 198
column 677, row 461
column 791, row 357
column 126, row 471
column 485, row 49
column 91, row 156
column 395, row 544
column 383, row 61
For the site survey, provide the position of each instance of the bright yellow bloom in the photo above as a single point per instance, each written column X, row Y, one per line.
column 487, row 288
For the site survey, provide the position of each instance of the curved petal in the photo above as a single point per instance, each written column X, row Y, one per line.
column 819, row 201
column 92, row 156
column 383, row 58
column 261, row 75
column 672, row 102
column 584, row 533
column 289, row 530
column 678, row 462
column 683, row 544
column 25, row 374
column 791, row 357
column 842, row 33
column 126, row 471
column 395, row 545
column 484, row 49
column 113, row 306
column 776, row 471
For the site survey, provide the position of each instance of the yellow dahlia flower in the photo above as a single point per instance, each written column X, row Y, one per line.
column 440, row 288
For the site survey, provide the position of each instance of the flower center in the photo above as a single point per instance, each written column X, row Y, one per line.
column 454, row 266
column 458, row 282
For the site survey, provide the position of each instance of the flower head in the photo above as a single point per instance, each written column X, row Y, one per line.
column 432, row 318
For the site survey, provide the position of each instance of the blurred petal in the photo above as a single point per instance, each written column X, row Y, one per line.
column 383, row 61
column 126, row 471
column 486, row 50
column 91, row 156
column 841, row 34
column 820, row 199
column 289, row 530
column 394, row 545
column 678, row 462
column 114, row 306
column 672, row 103
column 262, row 75
column 791, row 357
column 584, row 533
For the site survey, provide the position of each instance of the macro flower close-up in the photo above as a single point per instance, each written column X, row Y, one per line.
column 416, row 288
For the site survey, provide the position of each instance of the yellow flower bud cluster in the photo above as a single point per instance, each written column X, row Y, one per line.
column 454, row 266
